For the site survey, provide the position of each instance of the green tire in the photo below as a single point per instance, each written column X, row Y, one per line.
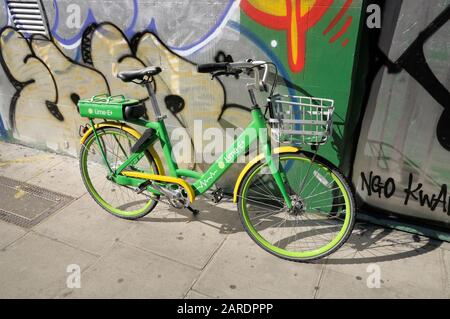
column 125, row 203
column 262, row 210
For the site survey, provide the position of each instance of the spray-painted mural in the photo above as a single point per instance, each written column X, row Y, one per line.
column 314, row 43
column 89, row 42
column 403, row 159
column 402, row 156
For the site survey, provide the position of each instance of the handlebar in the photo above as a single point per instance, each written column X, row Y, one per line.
column 235, row 68
column 229, row 66
column 212, row 67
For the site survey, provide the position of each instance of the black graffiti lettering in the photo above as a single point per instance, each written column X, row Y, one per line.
column 389, row 188
column 434, row 200
column 374, row 185
column 409, row 191
column 442, row 199
column 426, row 200
column 366, row 183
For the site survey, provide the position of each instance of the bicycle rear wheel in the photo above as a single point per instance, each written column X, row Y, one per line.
column 320, row 222
column 121, row 201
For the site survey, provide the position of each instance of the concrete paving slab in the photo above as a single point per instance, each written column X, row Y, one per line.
column 9, row 149
column 241, row 269
column 402, row 258
column 9, row 233
column 223, row 216
column 344, row 286
column 84, row 224
column 170, row 253
column 178, row 235
column 128, row 272
column 371, row 243
column 36, row 267
column 444, row 245
column 27, row 163
column 64, row 178
column 446, row 258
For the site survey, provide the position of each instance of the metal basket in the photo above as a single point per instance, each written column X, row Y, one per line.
column 301, row 120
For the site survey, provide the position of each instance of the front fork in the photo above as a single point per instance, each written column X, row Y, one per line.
column 278, row 174
column 274, row 166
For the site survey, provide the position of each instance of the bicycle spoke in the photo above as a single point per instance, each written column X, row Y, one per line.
column 116, row 146
column 316, row 218
column 258, row 202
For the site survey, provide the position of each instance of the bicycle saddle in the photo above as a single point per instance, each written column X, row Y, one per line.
column 140, row 75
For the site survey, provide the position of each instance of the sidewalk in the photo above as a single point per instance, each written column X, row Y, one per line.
column 172, row 254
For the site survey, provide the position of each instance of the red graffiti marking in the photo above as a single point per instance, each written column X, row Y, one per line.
column 346, row 41
column 294, row 21
column 338, row 17
column 344, row 29
column 296, row 17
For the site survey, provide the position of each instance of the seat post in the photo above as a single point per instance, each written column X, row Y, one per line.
column 154, row 102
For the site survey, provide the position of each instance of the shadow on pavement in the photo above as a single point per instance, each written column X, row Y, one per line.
column 367, row 244
column 223, row 217
column 371, row 244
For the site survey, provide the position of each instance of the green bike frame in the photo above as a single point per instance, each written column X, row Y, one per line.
column 257, row 130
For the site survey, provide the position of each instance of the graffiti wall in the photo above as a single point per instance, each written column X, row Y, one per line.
column 313, row 42
column 402, row 156
column 402, row 163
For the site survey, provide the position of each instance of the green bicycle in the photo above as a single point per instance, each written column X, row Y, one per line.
column 292, row 203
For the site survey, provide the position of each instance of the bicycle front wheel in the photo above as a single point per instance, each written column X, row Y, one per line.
column 121, row 201
column 320, row 221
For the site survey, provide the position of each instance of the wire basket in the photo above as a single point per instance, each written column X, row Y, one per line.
column 301, row 120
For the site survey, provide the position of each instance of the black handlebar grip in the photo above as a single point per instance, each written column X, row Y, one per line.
column 212, row 67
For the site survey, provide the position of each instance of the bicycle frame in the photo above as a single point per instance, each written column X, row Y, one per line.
column 257, row 130
column 144, row 181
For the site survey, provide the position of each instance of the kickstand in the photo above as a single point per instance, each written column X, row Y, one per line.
column 193, row 210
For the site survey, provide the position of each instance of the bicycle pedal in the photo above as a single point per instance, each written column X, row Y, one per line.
column 143, row 187
column 217, row 195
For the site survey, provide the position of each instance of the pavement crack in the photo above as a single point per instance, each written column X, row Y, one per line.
column 208, row 262
column 63, row 243
column 320, row 278
column 158, row 254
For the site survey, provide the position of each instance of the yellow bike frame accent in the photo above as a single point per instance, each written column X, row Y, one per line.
column 163, row 178
column 248, row 167
column 133, row 132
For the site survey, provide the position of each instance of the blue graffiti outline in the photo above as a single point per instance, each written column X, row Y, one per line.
column 90, row 19
column 153, row 28
column 3, row 132
column 129, row 32
column 6, row 13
